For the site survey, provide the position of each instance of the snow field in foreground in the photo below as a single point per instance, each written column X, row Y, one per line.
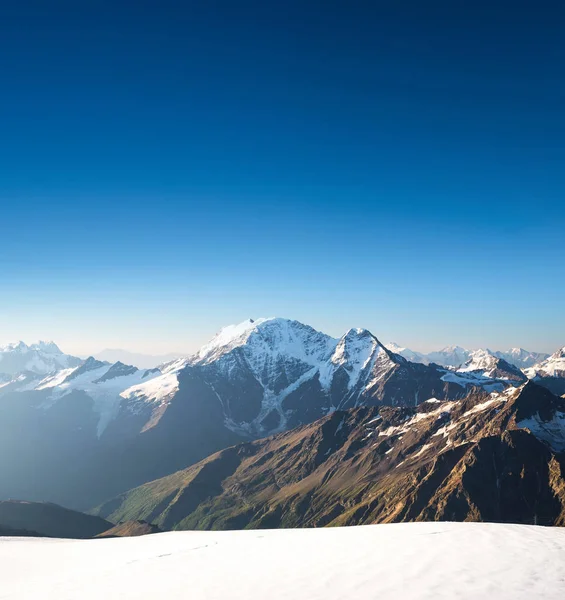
column 402, row 561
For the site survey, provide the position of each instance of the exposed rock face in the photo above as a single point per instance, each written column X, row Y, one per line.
column 490, row 457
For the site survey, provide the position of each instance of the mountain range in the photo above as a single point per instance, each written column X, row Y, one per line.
column 40, row 358
column 456, row 356
column 89, row 430
column 490, row 457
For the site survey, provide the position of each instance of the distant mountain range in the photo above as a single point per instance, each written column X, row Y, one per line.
column 40, row 358
column 89, row 430
column 46, row 357
column 456, row 356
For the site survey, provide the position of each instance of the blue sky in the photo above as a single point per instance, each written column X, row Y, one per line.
column 169, row 168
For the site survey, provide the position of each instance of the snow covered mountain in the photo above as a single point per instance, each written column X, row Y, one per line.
column 486, row 365
column 521, row 358
column 408, row 354
column 39, row 359
column 456, row 356
column 550, row 372
column 251, row 380
column 282, row 373
column 451, row 356
column 552, row 366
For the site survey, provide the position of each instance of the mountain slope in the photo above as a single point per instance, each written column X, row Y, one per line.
column 490, row 457
column 130, row 529
column 49, row 520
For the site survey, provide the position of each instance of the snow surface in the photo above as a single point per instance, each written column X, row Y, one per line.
column 157, row 388
column 473, row 378
column 455, row 561
column 446, row 407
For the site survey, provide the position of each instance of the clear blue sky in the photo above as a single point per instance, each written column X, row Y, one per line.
column 167, row 168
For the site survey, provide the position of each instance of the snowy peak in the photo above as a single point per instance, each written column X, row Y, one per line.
column 14, row 347
column 356, row 352
column 355, row 347
column 521, row 358
column 450, row 356
column 480, row 360
column 553, row 366
column 118, row 369
column 39, row 358
column 227, row 339
column 274, row 336
column 488, row 365
column 49, row 347
column 40, row 346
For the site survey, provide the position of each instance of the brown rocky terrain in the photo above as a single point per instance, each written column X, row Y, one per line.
column 130, row 529
column 490, row 457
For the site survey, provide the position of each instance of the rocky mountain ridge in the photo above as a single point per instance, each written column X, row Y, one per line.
column 490, row 457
